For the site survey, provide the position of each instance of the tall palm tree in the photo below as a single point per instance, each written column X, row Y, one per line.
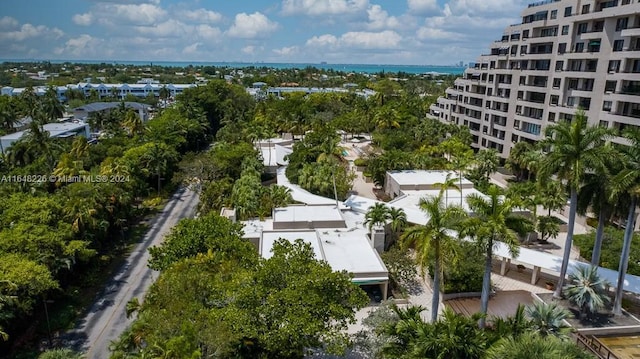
column 575, row 148
column 434, row 240
column 51, row 106
column 133, row 123
column 449, row 183
column 493, row 221
column 596, row 194
column 587, row 290
column 628, row 181
column 397, row 220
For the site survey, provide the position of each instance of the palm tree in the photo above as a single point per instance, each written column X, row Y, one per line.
column 449, row 183
column 596, row 194
column 51, row 106
column 453, row 336
column 575, row 149
column 628, row 182
column 397, row 220
column 133, row 123
column 434, row 240
column 587, row 290
column 377, row 215
column 403, row 329
column 9, row 114
column 534, row 346
column 548, row 319
column 514, row 325
column 493, row 221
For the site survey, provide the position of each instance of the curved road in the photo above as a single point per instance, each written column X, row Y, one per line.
column 106, row 319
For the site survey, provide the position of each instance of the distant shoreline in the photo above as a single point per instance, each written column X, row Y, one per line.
column 357, row 68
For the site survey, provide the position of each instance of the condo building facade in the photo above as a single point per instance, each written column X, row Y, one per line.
column 564, row 55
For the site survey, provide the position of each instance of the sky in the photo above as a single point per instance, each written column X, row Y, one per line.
column 403, row 32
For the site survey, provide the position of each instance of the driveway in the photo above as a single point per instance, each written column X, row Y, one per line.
column 106, row 318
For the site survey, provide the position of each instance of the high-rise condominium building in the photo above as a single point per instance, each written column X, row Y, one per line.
column 564, row 55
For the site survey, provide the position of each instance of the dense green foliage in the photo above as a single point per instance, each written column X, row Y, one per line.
column 612, row 245
column 56, row 235
column 217, row 297
column 465, row 274
column 393, row 332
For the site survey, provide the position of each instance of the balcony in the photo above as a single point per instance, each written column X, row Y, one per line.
column 635, row 31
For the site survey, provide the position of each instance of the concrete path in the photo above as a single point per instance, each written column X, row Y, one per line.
column 106, row 319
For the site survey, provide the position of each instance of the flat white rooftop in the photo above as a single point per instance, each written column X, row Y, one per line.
column 342, row 249
column 350, row 251
column 307, row 214
column 424, row 177
column 411, row 199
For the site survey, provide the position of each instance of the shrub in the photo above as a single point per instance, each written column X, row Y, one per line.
column 465, row 274
column 611, row 248
column 360, row 162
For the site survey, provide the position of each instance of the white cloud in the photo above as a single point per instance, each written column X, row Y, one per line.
column 28, row 31
column 379, row 19
column 421, row 7
column 484, row 8
column 191, row 49
column 8, row 23
column 383, row 40
column 207, row 32
column 251, row 26
column 430, row 33
column 322, row 41
column 169, row 28
column 202, row 16
column 83, row 19
column 371, row 40
column 286, row 51
column 129, row 14
column 83, row 45
column 323, row 7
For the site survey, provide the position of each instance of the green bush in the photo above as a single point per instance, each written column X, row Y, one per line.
column 465, row 274
column 360, row 162
column 611, row 248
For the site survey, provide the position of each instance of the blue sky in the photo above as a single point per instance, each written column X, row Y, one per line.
column 433, row 32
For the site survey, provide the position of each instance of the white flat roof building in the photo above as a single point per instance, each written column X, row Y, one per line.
column 55, row 129
column 336, row 236
column 415, row 180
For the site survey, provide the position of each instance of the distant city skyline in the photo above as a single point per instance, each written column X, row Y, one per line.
column 411, row 32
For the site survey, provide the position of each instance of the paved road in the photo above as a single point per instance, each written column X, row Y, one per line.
column 106, row 319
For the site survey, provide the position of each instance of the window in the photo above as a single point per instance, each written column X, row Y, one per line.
column 554, row 99
column 554, row 14
column 610, row 86
column 598, row 26
column 565, row 30
column 573, row 84
column 552, row 117
column 516, row 123
column 523, row 49
column 585, row 9
column 559, row 65
column 571, row 101
column 582, row 28
column 617, row 45
column 562, row 48
column 604, row 124
column 579, row 47
column 614, row 66
column 556, row 83
column 594, row 46
column 525, row 34
column 523, row 80
column 622, row 23
column 606, row 106
column 567, row 11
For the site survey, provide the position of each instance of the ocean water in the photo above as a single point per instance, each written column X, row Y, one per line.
column 357, row 68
